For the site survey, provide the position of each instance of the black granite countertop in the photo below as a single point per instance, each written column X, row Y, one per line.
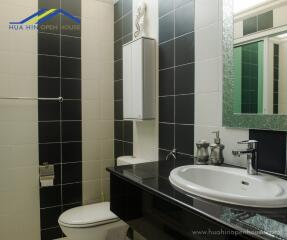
column 264, row 223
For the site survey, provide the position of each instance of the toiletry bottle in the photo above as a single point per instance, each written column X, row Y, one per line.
column 202, row 154
column 216, row 151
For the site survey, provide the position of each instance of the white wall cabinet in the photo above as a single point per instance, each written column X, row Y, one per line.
column 139, row 79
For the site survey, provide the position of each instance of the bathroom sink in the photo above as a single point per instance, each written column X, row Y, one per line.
column 231, row 185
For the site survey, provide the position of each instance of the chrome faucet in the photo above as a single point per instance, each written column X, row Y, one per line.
column 252, row 155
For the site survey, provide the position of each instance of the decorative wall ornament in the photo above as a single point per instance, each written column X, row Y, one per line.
column 140, row 19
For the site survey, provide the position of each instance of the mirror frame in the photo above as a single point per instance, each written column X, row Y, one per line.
column 238, row 120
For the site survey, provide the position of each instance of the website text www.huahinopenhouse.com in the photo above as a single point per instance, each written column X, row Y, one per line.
column 223, row 232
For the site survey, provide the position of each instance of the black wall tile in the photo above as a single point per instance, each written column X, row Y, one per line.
column 48, row 87
column 48, row 111
column 166, row 136
column 119, row 130
column 51, row 26
column 118, row 10
column 58, row 174
column 128, row 131
column 118, row 30
column 72, row 110
column 118, row 50
column 165, row 6
column 49, row 217
column 71, row 68
column 71, row 131
column 118, row 90
column 123, row 131
column 166, row 27
column 118, row 70
column 127, row 6
column 48, row 44
column 71, row 172
column 128, row 149
column 184, row 157
column 166, row 55
column 127, row 38
column 71, row 152
column 69, row 27
column 177, row 82
column 49, row 132
column 71, row 88
column 184, row 79
column 60, row 76
column 166, row 109
column 49, row 4
column 166, row 82
column 51, row 234
column 184, row 48
column 119, row 148
column 70, row 46
column 48, row 66
column 179, row 3
column 183, row 16
column 272, row 150
column 184, row 138
column 162, row 154
column 118, row 111
column 50, row 153
column 184, row 109
column 50, row 196
column 72, row 6
column 72, row 193
column 127, row 24
column 69, row 206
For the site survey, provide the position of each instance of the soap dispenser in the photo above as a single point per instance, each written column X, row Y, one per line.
column 216, row 151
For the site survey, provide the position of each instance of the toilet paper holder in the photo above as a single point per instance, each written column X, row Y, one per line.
column 47, row 175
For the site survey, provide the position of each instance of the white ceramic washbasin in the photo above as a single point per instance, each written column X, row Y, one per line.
column 231, row 185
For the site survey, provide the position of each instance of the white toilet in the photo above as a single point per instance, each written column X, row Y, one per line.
column 95, row 221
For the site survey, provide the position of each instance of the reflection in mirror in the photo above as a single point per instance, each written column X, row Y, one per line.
column 260, row 57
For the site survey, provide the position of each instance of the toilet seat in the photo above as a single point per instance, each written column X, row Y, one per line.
column 88, row 216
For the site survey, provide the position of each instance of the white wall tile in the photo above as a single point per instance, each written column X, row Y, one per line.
column 91, row 192
column 97, row 94
column 91, row 150
column 208, row 42
column 91, row 170
column 208, row 83
column 207, row 75
column 204, row 15
column 91, row 109
column 207, row 109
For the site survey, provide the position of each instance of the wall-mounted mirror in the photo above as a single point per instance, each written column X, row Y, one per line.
column 255, row 64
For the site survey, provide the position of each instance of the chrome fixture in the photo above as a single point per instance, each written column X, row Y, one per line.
column 171, row 154
column 202, row 154
column 216, row 151
column 47, row 175
column 60, row 99
column 252, row 155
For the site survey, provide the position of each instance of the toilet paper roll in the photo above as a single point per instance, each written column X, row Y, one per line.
column 47, row 181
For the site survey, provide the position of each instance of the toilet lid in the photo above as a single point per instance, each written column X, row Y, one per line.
column 90, row 215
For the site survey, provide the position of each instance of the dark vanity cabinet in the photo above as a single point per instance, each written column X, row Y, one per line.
column 156, row 217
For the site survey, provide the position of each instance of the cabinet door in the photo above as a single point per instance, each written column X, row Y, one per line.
column 137, row 78
column 127, row 83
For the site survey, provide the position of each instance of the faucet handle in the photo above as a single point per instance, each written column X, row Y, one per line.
column 250, row 143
